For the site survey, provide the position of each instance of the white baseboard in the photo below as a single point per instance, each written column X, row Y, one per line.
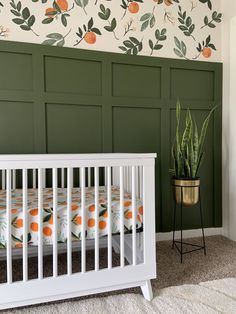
column 165, row 236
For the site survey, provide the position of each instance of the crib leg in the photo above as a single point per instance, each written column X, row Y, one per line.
column 147, row 290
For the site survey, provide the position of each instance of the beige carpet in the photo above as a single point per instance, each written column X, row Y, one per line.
column 205, row 298
column 220, row 262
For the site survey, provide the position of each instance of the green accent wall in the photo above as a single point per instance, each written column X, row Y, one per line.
column 63, row 100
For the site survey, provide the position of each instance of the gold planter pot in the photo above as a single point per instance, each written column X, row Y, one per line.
column 190, row 191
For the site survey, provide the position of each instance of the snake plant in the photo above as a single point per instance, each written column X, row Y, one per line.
column 187, row 150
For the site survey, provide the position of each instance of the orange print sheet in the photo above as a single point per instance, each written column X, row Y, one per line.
column 76, row 219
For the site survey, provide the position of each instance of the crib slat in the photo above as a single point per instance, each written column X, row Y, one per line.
column 109, row 236
column 69, row 246
column 34, row 178
column 40, row 223
column 3, row 180
column 89, row 176
column 122, row 216
column 105, row 174
column 141, row 182
column 134, row 244
column 13, row 179
column 62, row 178
column 25, row 226
column 8, row 229
column 96, row 183
column 44, row 178
column 83, row 229
column 55, row 258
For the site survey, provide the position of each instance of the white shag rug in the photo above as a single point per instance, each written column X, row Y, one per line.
column 218, row 296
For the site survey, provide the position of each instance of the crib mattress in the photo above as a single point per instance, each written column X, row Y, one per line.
column 76, row 219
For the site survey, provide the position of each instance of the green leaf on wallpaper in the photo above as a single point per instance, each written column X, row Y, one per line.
column 144, row 25
column 64, row 20
column 105, row 15
column 24, row 19
column 151, row 45
column 31, row 20
column 128, row 44
column 56, row 7
column 55, row 36
column 96, row 31
column 178, row 53
column 152, row 21
column 160, row 36
column 18, row 21
column 148, row 19
column 208, row 2
column 82, row 4
column 145, row 17
column 48, row 20
column 183, row 48
column 43, row 1
column 25, row 27
column 187, row 26
column 61, row 43
column 216, row 18
column 16, row 13
column 132, row 46
column 177, row 42
column 25, row 13
column 181, row 52
column 49, row 42
column 90, row 23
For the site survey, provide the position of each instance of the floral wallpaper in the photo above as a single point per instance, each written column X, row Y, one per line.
column 186, row 29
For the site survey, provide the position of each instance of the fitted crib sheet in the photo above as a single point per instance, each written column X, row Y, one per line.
column 76, row 219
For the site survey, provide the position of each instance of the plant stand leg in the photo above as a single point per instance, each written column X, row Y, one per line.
column 181, row 226
column 147, row 290
column 173, row 243
column 201, row 216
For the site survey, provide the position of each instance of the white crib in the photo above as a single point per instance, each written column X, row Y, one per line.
column 131, row 174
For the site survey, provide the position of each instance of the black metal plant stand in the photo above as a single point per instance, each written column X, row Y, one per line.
column 175, row 242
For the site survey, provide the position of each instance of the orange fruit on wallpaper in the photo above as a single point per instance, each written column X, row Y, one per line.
column 19, row 223
column 105, row 215
column 49, row 10
column 47, row 231
column 91, row 223
column 128, row 215
column 74, row 207
column 102, row 225
column 90, row 38
column 34, row 226
column 127, row 203
column 206, row 52
column 168, row 2
column 140, row 210
column 133, row 7
column 50, row 221
column 34, row 212
column 19, row 245
column 63, row 4
column 78, row 220
column 92, row 208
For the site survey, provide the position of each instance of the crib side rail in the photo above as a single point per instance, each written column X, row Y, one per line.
column 133, row 173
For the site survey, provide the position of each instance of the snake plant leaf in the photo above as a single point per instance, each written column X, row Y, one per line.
column 195, row 150
column 204, row 129
column 201, row 158
column 188, row 130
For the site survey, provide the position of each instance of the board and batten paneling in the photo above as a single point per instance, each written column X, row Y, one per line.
column 62, row 100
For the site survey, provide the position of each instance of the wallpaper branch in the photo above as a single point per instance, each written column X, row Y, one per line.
column 185, row 29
